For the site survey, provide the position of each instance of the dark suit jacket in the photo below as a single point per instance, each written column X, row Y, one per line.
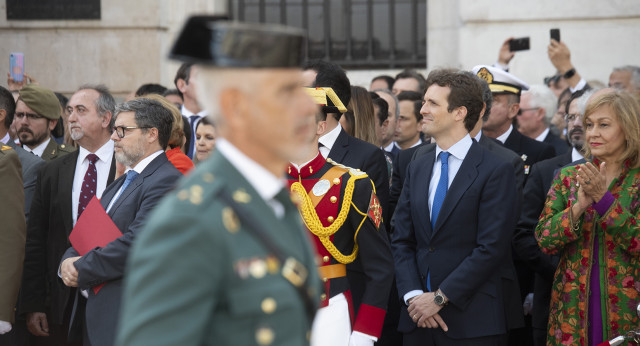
column 400, row 164
column 106, row 265
column 31, row 165
column 48, row 231
column 529, row 149
column 466, row 250
column 524, row 241
column 560, row 145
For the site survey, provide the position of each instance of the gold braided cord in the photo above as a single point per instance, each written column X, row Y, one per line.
column 313, row 223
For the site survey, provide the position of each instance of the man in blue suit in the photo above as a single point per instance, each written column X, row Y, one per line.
column 142, row 130
column 453, row 226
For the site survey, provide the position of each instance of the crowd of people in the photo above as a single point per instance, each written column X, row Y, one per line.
column 263, row 203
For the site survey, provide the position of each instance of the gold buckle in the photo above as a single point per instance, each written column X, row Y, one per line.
column 295, row 272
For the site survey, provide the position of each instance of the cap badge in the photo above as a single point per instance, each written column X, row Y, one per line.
column 483, row 73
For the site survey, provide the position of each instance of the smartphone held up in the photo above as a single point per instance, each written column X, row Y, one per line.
column 16, row 68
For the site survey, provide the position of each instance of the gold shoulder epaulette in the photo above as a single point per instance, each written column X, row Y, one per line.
column 6, row 147
column 352, row 171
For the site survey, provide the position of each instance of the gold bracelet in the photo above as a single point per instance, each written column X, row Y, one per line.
column 576, row 227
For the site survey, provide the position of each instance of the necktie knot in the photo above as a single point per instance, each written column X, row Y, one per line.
column 444, row 158
column 130, row 176
column 93, row 158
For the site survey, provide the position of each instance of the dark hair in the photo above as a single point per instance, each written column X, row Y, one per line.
column 387, row 79
column 150, row 88
column 8, row 104
column 172, row 92
column 412, row 96
column 204, row 121
column 184, row 71
column 574, row 96
column 487, row 96
column 465, row 91
column 105, row 101
column 417, row 106
column 435, row 73
column 333, row 76
column 152, row 114
column 383, row 106
column 409, row 73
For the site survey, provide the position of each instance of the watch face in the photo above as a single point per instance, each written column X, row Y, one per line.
column 439, row 299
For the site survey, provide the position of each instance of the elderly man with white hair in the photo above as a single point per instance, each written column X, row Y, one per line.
column 537, row 106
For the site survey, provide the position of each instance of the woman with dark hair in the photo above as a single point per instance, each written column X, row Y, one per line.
column 205, row 139
column 591, row 218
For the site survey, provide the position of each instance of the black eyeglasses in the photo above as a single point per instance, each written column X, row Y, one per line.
column 30, row 116
column 120, row 129
column 522, row 110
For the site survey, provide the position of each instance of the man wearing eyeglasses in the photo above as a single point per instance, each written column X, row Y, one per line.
column 141, row 132
column 537, row 106
column 63, row 189
column 37, row 113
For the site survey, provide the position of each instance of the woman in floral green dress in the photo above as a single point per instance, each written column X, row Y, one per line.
column 591, row 218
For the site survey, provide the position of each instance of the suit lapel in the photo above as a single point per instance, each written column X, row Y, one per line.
column 65, row 187
column 340, row 146
column 422, row 180
column 514, row 141
column 464, row 178
column 112, row 170
column 151, row 167
column 50, row 150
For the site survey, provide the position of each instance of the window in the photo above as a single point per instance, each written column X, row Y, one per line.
column 357, row 34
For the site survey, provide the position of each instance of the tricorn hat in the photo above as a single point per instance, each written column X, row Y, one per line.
column 216, row 41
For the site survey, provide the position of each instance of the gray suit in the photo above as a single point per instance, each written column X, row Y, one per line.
column 31, row 165
column 106, row 265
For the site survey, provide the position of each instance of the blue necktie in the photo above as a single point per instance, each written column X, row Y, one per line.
column 441, row 193
column 192, row 143
column 441, row 190
column 130, row 176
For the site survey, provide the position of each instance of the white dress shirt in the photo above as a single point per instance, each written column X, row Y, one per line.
column 264, row 182
column 543, row 135
column 389, row 147
column 39, row 150
column 103, row 166
column 575, row 155
column 328, row 140
column 503, row 137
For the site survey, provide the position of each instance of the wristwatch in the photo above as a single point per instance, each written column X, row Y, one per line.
column 569, row 73
column 439, row 299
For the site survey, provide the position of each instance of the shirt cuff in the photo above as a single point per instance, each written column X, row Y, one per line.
column 581, row 84
column 604, row 203
column 412, row 294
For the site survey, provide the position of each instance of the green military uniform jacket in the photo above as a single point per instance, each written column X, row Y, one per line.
column 12, row 232
column 55, row 150
column 198, row 276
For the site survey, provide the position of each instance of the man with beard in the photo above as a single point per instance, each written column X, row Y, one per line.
column 142, row 130
column 37, row 113
column 63, row 189
column 536, row 188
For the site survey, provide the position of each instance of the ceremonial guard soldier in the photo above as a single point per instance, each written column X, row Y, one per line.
column 339, row 206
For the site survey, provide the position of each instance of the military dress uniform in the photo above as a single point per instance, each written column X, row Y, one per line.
column 226, row 282
column 340, row 209
column 55, row 150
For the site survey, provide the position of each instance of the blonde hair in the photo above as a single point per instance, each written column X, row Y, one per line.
column 361, row 106
column 177, row 128
column 627, row 112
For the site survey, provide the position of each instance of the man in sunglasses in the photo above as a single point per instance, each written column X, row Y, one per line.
column 37, row 113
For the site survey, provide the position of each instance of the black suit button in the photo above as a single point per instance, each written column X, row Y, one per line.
column 432, row 249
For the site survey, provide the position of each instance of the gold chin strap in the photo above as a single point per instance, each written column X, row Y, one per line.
column 320, row 95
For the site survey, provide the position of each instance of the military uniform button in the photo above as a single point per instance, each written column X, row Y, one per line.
column 269, row 305
column 265, row 336
column 323, row 296
column 326, row 259
column 334, row 199
column 330, row 219
column 325, row 279
column 336, row 181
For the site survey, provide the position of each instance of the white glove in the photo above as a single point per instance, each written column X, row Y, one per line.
column 528, row 304
column 359, row 339
column 5, row 327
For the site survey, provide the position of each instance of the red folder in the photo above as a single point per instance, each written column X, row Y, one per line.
column 93, row 229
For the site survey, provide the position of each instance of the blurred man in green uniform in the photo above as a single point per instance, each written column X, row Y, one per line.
column 224, row 259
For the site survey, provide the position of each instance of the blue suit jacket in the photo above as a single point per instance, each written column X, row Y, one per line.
column 465, row 251
column 107, row 264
